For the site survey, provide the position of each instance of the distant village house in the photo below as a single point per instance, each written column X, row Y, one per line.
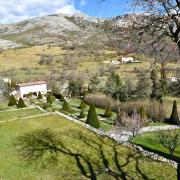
column 23, row 89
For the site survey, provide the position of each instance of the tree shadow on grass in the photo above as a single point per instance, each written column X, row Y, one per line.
column 44, row 146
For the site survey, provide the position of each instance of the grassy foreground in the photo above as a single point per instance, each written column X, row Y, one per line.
column 87, row 154
column 18, row 113
column 150, row 140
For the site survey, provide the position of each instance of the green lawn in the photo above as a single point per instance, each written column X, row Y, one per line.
column 150, row 140
column 85, row 153
column 13, row 114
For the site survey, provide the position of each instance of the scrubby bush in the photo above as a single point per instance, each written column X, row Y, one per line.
column 39, row 95
column 21, row 103
column 82, row 105
column 100, row 100
column 81, row 115
column 153, row 109
column 50, row 98
column 46, row 105
column 12, row 101
column 107, row 113
column 174, row 119
column 92, row 118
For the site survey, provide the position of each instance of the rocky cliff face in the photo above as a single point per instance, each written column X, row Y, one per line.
column 59, row 29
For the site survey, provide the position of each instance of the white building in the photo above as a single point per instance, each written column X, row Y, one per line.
column 127, row 59
column 31, row 87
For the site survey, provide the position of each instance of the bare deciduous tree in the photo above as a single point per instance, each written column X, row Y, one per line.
column 170, row 140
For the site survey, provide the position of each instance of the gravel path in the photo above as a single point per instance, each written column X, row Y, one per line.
column 123, row 136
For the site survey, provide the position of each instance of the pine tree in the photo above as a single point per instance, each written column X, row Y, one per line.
column 156, row 86
column 93, row 84
column 12, row 101
column 108, row 112
column 143, row 86
column 81, row 115
column 174, row 119
column 92, row 118
column 82, row 105
column 39, row 95
column 21, row 103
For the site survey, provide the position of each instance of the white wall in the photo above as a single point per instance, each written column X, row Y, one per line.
column 35, row 88
column 127, row 59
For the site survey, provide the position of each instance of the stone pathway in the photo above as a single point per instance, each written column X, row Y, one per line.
column 123, row 136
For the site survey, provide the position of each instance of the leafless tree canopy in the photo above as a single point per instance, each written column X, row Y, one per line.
column 162, row 19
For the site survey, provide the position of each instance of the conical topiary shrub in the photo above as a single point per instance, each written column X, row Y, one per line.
column 50, row 99
column 82, row 105
column 142, row 113
column 108, row 113
column 12, row 101
column 21, row 103
column 65, row 106
column 92, row 118
column 81, row 115
column 174, row 119
column 39, row 95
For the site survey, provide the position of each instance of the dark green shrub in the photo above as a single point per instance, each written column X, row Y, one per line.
column 142, row 113
column 174, row 119
column 108, row 113
column 46, row 105
column 29, row 95
column 12, row 101
column 81, row 115
column 92, row 118
column 21, row 103
column 82, row 105
column 39, row 95
column 65, row 106
column 62, row 99
column 50, row 99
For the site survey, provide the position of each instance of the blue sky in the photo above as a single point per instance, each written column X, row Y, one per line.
column 17, row 10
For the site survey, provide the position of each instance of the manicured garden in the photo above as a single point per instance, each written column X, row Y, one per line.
column 81, row 154
column 19, row 113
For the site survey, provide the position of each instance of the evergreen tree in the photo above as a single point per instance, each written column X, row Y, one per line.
column 156, row 86
column 12, row 101
column 39, row 95
column 50, row 99
column 21, row 103
column 142, row 113
column 93, row 84
column 82, row 105
column 113, row 86
column 65, row 106
column 174, row 119
column 82, row 115
column 108, row 112
column 143, row 86
column 92, row 118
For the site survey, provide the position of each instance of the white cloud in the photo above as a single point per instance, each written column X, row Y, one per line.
column 17, row 10
column 83, row 3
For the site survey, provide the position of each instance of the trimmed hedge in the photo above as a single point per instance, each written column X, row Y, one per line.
column 12, row 101
column 92, row 118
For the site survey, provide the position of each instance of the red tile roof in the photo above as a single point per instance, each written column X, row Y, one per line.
column 31, row 83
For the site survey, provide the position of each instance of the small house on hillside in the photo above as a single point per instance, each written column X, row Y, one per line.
column 127, row 59
column 24, row 89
